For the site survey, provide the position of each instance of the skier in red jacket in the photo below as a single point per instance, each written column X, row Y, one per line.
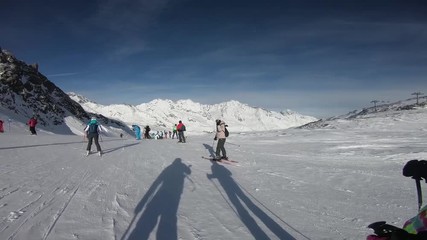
column 181, row 129
column 32, row 123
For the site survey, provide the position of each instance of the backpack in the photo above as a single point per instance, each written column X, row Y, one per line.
column 226, row 132
column 183, row 127
column 93, row 128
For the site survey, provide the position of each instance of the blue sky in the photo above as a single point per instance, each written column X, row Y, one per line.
column 319, row 57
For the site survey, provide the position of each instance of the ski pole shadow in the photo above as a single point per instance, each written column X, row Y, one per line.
column 241, row 203
column 108, row 150
column 210, row 149
column 160, row 204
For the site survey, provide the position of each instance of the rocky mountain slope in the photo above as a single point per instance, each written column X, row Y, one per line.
column 25, row 92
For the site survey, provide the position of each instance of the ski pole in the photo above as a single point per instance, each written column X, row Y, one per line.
column 192, row 182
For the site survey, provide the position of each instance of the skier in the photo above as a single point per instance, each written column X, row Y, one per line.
column 1, row 126
column 220, row 136
column 181, row 129
column 92, row 131
column 32, row 123
column 147, row 132
column 137, row 131
column 174, row 132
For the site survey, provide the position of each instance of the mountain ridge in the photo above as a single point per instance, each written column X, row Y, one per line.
column 164, row 113
column 393, row 110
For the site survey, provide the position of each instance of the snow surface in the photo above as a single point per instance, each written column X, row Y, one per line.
column 327, row 183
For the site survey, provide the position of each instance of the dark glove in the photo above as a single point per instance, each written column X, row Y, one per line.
column 215, row 138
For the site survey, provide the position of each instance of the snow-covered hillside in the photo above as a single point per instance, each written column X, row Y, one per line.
column 25, row 92
column 390, row 111
column 319, row 183
column 163, row 114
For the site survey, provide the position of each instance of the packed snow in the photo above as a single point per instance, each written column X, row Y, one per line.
column 324, row 183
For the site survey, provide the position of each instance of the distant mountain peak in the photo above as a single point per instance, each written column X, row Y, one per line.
column 79, row 98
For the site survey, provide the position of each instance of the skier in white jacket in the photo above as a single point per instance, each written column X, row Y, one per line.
column 220, row 136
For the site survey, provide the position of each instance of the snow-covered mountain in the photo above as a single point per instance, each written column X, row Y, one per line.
column 163, row 114
column 25, row 92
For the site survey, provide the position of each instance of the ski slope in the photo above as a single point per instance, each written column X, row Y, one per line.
column 327, row 183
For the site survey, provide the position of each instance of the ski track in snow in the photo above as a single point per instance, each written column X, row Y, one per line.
column 62, row 192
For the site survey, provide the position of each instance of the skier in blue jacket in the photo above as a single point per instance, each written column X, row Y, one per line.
column 137, row 131
column 92, row 131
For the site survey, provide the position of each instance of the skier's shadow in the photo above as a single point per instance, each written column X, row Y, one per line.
column 237, row 198
column 210, row 149
column 160, row 204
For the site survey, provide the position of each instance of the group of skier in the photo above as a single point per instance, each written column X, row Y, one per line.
column 93, row 129
column 177, row 131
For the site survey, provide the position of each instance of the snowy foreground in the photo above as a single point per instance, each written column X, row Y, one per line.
column 293, row 184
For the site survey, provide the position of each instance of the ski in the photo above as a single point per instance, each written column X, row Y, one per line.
column 226, row 161
column 222, row 160
column 229, row 160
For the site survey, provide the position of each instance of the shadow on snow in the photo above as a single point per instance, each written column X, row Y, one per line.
column 210, row 149
column 242, row 203
column 160, row 204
